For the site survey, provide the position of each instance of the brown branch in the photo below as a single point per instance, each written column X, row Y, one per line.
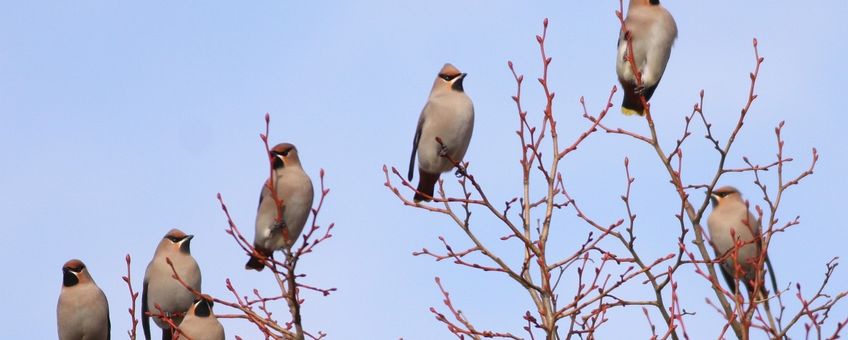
column 284, row 271
column 810, row 311
column 266, row 325
column 694, row 215
column 167, row 318
column 464, row 327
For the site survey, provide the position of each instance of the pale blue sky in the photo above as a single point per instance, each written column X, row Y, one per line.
column 121, row 120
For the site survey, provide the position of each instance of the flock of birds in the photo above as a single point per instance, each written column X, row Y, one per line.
column 286, row 200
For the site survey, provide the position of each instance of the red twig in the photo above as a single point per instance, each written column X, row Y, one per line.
column 133, row 296
column 464, row 327
column 168, row 318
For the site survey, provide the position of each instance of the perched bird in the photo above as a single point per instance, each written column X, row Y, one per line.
column 278, row 227
column 730, row 215
column 82, row 311
column 162, row 289
column 652, row 31
column 200, row 324
column 449, row 115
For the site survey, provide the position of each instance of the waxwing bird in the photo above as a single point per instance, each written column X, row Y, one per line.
column 161, row 288
column 448, row 115
column 730, row 215
column 200, row 323
column 652, row 31
column 280, row 219
column 82, row 311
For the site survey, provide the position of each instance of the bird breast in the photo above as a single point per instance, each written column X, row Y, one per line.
column 169, row 293
column 82, row 311
column 722, row 221
column 451, row 118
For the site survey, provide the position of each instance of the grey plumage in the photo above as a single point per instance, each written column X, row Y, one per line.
column 449, row 115
column 200, row 323
column 161, row 288
column 82, row 311
column 653, row 31
column 730, row 216
column 279, row 228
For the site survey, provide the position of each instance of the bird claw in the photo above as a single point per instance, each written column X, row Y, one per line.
column 460, row 172
column 443, row 150
column 279, row 226
column 639, row 90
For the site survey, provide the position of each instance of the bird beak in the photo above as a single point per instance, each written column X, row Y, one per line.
column 463, row 75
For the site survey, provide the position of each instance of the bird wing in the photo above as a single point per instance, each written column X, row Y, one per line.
column 755, row 226
column 415, row 142
column 266, row 191
column 758, row 229
column 145, row 319
column 620, row 38
column 729, row 279
column 108, row 321
column 771, row 275
column 262, row 193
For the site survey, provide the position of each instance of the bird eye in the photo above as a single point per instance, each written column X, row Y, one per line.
column 285, row 153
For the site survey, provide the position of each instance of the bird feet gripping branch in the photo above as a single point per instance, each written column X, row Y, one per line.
column 443, row 150
column 460, row 172
column 279, row 225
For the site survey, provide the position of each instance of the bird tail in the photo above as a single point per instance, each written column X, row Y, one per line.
column 632, row 104
column 257, row 263
column 426, row 186
column 765, row 293
column 145, row 319
column 166, row 333
column 762, row 294
column 771, row 276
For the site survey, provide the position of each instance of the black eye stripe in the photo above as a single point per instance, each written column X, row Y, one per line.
column 448, row 77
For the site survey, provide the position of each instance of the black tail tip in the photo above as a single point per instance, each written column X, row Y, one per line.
column 632, row 105
column 255, row 263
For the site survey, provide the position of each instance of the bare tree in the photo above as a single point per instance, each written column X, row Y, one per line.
column 572, row 294
column 258, row 308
